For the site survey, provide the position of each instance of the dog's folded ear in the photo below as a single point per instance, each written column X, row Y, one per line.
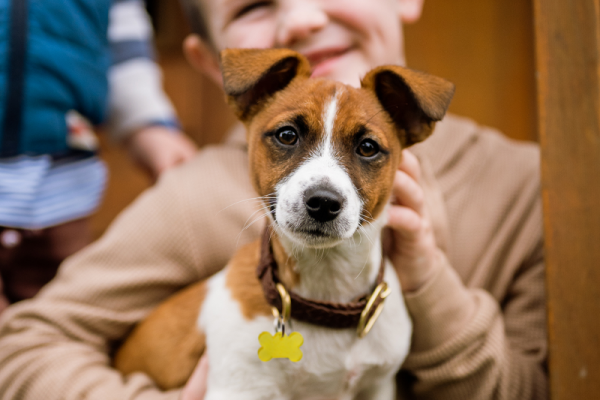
column 414, row 100
column 251, row 76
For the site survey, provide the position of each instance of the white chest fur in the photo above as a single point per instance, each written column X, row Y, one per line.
column 336, row 364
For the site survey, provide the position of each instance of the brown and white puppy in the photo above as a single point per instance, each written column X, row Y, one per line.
column 323, row 157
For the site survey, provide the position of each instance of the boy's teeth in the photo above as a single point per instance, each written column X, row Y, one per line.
column 323, row 57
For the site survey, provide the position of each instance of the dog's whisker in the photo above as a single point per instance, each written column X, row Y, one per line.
column 374, row 115
column 252, row 216
column 363, row 230
column 360, row 234
column 257, row 219
column 361, row 270
column 366, row 221
column 243, row 201
column 275, row 227
column 364, row 217
column 259, row 198
column 320, row 257
column 248, row 225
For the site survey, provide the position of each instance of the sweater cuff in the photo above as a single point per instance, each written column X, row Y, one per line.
column 439, row 309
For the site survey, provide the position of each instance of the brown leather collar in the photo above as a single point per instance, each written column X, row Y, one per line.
column 322, row 313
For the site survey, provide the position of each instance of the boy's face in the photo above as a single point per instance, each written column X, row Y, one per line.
column 342, row 39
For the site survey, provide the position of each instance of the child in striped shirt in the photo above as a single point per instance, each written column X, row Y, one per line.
column 71, row 65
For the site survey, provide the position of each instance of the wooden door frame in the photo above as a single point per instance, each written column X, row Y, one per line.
column 567, row 35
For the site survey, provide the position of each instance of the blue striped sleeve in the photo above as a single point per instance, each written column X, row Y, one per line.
column 129, row 49
column 37, row 192
column 129, row 31
column 136, row 94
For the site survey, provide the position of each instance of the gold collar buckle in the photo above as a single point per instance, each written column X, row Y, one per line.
column 367, row 319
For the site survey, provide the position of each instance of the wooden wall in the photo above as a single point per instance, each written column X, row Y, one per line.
column 484, row 46
column 568, row 45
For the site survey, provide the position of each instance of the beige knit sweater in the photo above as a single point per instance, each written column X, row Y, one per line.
column 479, row 325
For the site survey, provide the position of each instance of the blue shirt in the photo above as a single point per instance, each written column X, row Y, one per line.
column 64, row 183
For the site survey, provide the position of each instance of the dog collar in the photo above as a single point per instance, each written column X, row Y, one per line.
column 360, row 314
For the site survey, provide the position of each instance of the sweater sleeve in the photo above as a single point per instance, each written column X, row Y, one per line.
column 57, row 346
column 136, row 97
column 480, row 326
column 467, row 347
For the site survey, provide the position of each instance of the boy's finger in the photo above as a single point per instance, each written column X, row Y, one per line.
column 195, row 389
column 404, row 221
column 410, row 164
column 407, row 192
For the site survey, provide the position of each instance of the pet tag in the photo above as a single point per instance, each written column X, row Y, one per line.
column 280, row 346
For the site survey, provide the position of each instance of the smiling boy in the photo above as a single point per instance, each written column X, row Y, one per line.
column 466, row 233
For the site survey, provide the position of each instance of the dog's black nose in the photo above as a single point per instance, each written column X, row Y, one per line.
column 323, row 204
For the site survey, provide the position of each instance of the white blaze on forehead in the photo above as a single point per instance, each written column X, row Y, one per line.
column 329, row 114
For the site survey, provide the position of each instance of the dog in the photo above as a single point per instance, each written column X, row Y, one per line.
column 322, row 157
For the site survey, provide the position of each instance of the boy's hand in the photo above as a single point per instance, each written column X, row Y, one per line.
column 157, row 148
column 195, row 388
column 413, row 249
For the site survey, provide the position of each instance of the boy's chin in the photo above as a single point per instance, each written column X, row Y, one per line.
column 343, row 77
column 341, row 70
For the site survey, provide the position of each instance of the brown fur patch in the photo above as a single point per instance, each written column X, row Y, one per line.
column 251, row 76
column 243, row 283
column 167, row 344
column 285, row 264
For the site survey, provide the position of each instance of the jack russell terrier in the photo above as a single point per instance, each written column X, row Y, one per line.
column 322, row 157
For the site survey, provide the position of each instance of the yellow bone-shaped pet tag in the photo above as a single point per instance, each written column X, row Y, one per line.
column 280, row 346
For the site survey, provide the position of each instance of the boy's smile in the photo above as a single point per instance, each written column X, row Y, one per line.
column 342, row 39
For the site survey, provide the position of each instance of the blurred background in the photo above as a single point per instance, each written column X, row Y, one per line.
column 486, row 48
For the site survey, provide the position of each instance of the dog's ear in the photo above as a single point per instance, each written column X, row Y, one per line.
column 414, row 100
column 251, row 76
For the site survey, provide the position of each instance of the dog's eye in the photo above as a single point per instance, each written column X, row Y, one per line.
column 287, row 136
column 367, row 148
